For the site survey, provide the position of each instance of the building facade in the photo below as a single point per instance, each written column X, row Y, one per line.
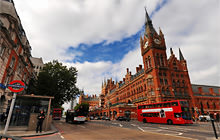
column 38, row 64
column 15, row 52
column 160, row 79
column 92, row 100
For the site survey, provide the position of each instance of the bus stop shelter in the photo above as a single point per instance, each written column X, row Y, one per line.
column 26, row 109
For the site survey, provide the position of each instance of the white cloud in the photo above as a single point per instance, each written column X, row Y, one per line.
column 191, row 25
column 56, row 25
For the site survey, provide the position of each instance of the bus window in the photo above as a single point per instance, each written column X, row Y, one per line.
column 166, row 104
column 159, row 105
column 155, row 114
column 174, row 103
column 139, row 107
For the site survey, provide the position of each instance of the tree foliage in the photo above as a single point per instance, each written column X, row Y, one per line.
column 58, row 81
column 82, row 109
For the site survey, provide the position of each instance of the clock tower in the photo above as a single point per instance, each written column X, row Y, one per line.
column 153, row 51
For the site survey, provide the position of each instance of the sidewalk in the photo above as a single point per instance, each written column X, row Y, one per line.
column 22, row 132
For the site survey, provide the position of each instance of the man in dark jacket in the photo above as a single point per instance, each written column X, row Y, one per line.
column 40, row 118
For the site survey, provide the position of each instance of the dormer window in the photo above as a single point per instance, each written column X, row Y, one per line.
column 2, row 50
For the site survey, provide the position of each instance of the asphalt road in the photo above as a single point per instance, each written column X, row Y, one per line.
column 200, row 131
column 133, row 130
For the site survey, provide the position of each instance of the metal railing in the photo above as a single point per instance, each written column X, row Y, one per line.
column 7, row 137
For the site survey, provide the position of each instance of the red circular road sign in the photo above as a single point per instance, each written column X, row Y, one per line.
column 20, row 88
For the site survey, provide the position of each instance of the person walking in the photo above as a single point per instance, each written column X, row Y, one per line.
column 40, row 118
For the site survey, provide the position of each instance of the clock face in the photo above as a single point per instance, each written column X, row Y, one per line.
column 157, row 41
column 146, row 44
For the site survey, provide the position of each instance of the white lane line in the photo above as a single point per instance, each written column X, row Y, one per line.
column 133, row 124
column 180, row 133
column 141, row 129
column 82, row 126
column 61, row 136
column 163, row 127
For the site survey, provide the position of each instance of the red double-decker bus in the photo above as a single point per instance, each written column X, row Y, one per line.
column 57, row 113
column 170, row 112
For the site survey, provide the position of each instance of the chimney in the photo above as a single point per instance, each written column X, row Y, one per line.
column 140, row 67
column 137, row 69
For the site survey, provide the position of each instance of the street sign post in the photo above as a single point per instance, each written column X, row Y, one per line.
column 19, row 88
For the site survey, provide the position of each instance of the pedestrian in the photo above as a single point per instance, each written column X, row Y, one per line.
column 40, row 118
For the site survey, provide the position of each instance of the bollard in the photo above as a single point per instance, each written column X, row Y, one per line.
column 213, row 125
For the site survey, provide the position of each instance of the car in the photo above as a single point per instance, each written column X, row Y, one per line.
column 106, row 118
column 123, row 118
column 97, row 118
column 204, row 118
column 91, row 118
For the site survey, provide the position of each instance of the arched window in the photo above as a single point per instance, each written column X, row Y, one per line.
column 149, row 59
column 202, row 111
column 178, row 83
column 208, row 105
column 214, row 106
column 157, row 59
column 174, row 83
column 161, row 60
column 167, row 91
column 166, row 82
column 146, row 63
column 163, row 91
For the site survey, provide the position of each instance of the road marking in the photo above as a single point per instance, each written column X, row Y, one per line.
column 133, row 124
column 163, row 127
column 141, row 129
column 61, row 136
column 82, row 126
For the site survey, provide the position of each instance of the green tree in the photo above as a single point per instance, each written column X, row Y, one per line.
column 58, row 81
column 82, row 109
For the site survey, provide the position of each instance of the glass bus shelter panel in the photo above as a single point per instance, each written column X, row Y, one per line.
column 24, row 106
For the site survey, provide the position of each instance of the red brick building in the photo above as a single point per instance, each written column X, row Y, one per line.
column 160, row 79
column 92, row 100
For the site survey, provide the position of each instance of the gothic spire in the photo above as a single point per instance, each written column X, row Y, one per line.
column 171, row 51
column 160, row 32
column 147, row 18
column 181, row 55
column 149, row 29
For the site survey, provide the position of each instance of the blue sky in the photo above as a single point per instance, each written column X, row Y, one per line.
column 104, row 51
column 113, row 51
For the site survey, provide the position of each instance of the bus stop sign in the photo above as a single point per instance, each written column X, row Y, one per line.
column 19, row 85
